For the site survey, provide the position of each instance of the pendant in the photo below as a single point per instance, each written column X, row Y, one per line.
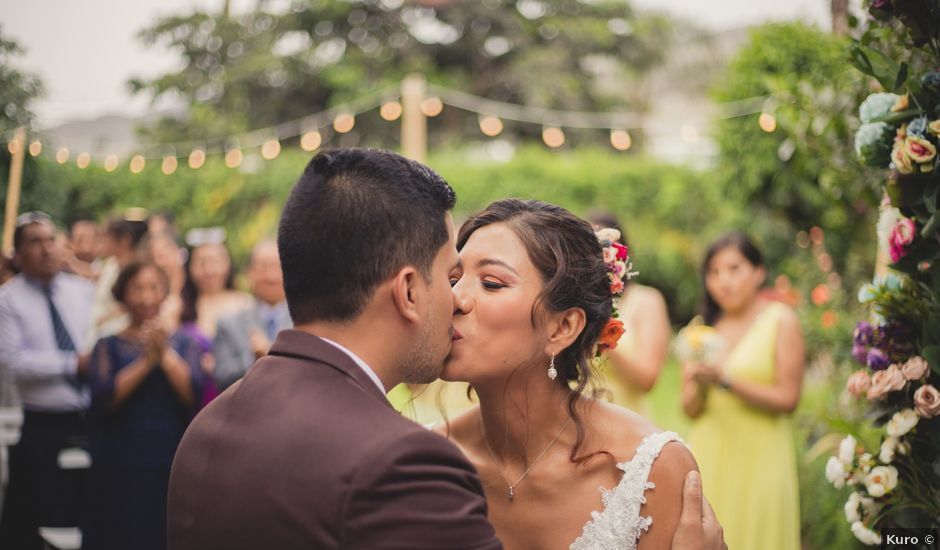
column 552, row 373
column 511, row 493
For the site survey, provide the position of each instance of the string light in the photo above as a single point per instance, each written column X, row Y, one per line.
column 390, row 111
column 197, row 158
column 83, row 160
column 62, row 155
column 35, row 148
column 491, row 126
column 620, row 140
column 169, row 165
column 553, row 136
column 111, row 163
column 233, row 158
column 271, row 149
column 137, row 164
column 432, row 106
column 767, row 122
column 344, row 123
column 311, row 141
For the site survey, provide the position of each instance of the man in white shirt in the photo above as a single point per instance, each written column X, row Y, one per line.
column 44, row 322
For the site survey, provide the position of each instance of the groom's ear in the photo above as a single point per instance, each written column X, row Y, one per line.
column 564, row 328
column 406, row 293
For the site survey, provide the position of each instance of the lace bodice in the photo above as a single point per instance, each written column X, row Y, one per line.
column 619, row 525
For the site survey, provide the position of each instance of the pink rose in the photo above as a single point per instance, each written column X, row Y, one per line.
column 884, row 382
column 902, row 162
column 858, row 383
column 902, row 234
column 927, row 401
column 610, row 254
column 919, row 149
column 621, row 251
column 915, row 368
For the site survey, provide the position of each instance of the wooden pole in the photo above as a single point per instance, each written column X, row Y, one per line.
column 13, row 188
column 414, row 125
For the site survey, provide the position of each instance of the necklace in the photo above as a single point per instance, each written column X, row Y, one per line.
column 512, row 486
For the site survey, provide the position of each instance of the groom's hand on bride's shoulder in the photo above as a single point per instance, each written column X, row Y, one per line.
column 698, row 527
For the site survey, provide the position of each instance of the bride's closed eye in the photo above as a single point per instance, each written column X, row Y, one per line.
column 492, row 285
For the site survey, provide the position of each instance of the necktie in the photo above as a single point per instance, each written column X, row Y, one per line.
column 62, row 338
column 272, row 329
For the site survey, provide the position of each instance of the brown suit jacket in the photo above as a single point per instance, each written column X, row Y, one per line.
column 306, row 452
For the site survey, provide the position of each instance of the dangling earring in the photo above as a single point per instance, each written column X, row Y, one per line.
column 552, row 373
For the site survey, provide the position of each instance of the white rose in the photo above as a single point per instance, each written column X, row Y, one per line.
column 851, row 508
column 902, row 422
column 835, row 472
column 881, row 480
column 847, row 450
column 865, row 534
column 888, row 448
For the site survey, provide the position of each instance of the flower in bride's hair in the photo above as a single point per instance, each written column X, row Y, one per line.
column 607, row 236
column 610, row 254
column 616, row 284
column 619, row 269
column 610, row 335
column 622, row 252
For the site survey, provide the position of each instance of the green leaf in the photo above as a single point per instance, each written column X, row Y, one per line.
column 932, row 355
column 902, row 76
column 930, row 226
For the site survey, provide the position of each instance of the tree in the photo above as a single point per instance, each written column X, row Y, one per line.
column 803, row 173
column 265, row 68
column 17, row 89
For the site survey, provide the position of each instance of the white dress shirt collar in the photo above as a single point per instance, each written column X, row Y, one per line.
column 362, row 364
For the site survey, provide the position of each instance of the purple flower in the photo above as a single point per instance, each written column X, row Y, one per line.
column 878, row 4
column 860, row 353
column 877, row 359
column 863, row 334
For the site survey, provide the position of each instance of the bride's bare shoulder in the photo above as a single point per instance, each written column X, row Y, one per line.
column 461, row 427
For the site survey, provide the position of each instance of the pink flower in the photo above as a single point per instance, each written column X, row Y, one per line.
column 902, row 162
column 622, row 251
column 902, row 234
column 610, row 254
column 919, row 150
column 858, row 383
column 915, row 368
column 927, row 401
column 616, row 285
column 884, row 382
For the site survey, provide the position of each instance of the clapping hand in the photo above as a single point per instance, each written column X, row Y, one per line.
column 260, row 345
column 156, row 340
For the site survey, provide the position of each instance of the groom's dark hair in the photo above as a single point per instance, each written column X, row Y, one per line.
column 354, row 218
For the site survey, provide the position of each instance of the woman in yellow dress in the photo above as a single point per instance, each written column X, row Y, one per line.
column 629, row 371
column 740, row 407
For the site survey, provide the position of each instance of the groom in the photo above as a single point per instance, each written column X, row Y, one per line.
column 305, row 451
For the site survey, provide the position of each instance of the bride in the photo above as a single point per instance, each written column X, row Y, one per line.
column 533, row 297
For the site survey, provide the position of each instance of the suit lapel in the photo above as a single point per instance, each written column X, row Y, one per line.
column 305, row 346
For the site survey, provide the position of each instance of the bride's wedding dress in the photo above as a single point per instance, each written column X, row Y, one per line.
column 619, row 525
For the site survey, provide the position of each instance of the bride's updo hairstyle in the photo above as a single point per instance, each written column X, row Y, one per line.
column 566, row 252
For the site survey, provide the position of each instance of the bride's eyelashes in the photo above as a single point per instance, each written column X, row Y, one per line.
column 492, row 285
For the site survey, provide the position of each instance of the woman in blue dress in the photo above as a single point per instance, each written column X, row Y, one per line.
column 145, row 385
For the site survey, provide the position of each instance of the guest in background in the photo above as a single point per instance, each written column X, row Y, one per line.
column 43, row 322
column 208, row 294
column 631, row 369
column 145, row 383
column 245, row 336
column 740, row 407
column 162, row 248
column 120, row 248
column 82, row 252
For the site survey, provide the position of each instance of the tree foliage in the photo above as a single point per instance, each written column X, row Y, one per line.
column 264, row 68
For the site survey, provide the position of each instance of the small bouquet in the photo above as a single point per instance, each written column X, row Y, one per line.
column 619, row 269
column 698, row 343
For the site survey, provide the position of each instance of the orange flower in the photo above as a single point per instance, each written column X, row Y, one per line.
column 610, row 334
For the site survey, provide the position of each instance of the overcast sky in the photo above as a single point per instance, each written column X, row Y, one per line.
column 86, row 50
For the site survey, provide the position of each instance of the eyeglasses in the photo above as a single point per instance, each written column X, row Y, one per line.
column 27, row 218
column 202, row 236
